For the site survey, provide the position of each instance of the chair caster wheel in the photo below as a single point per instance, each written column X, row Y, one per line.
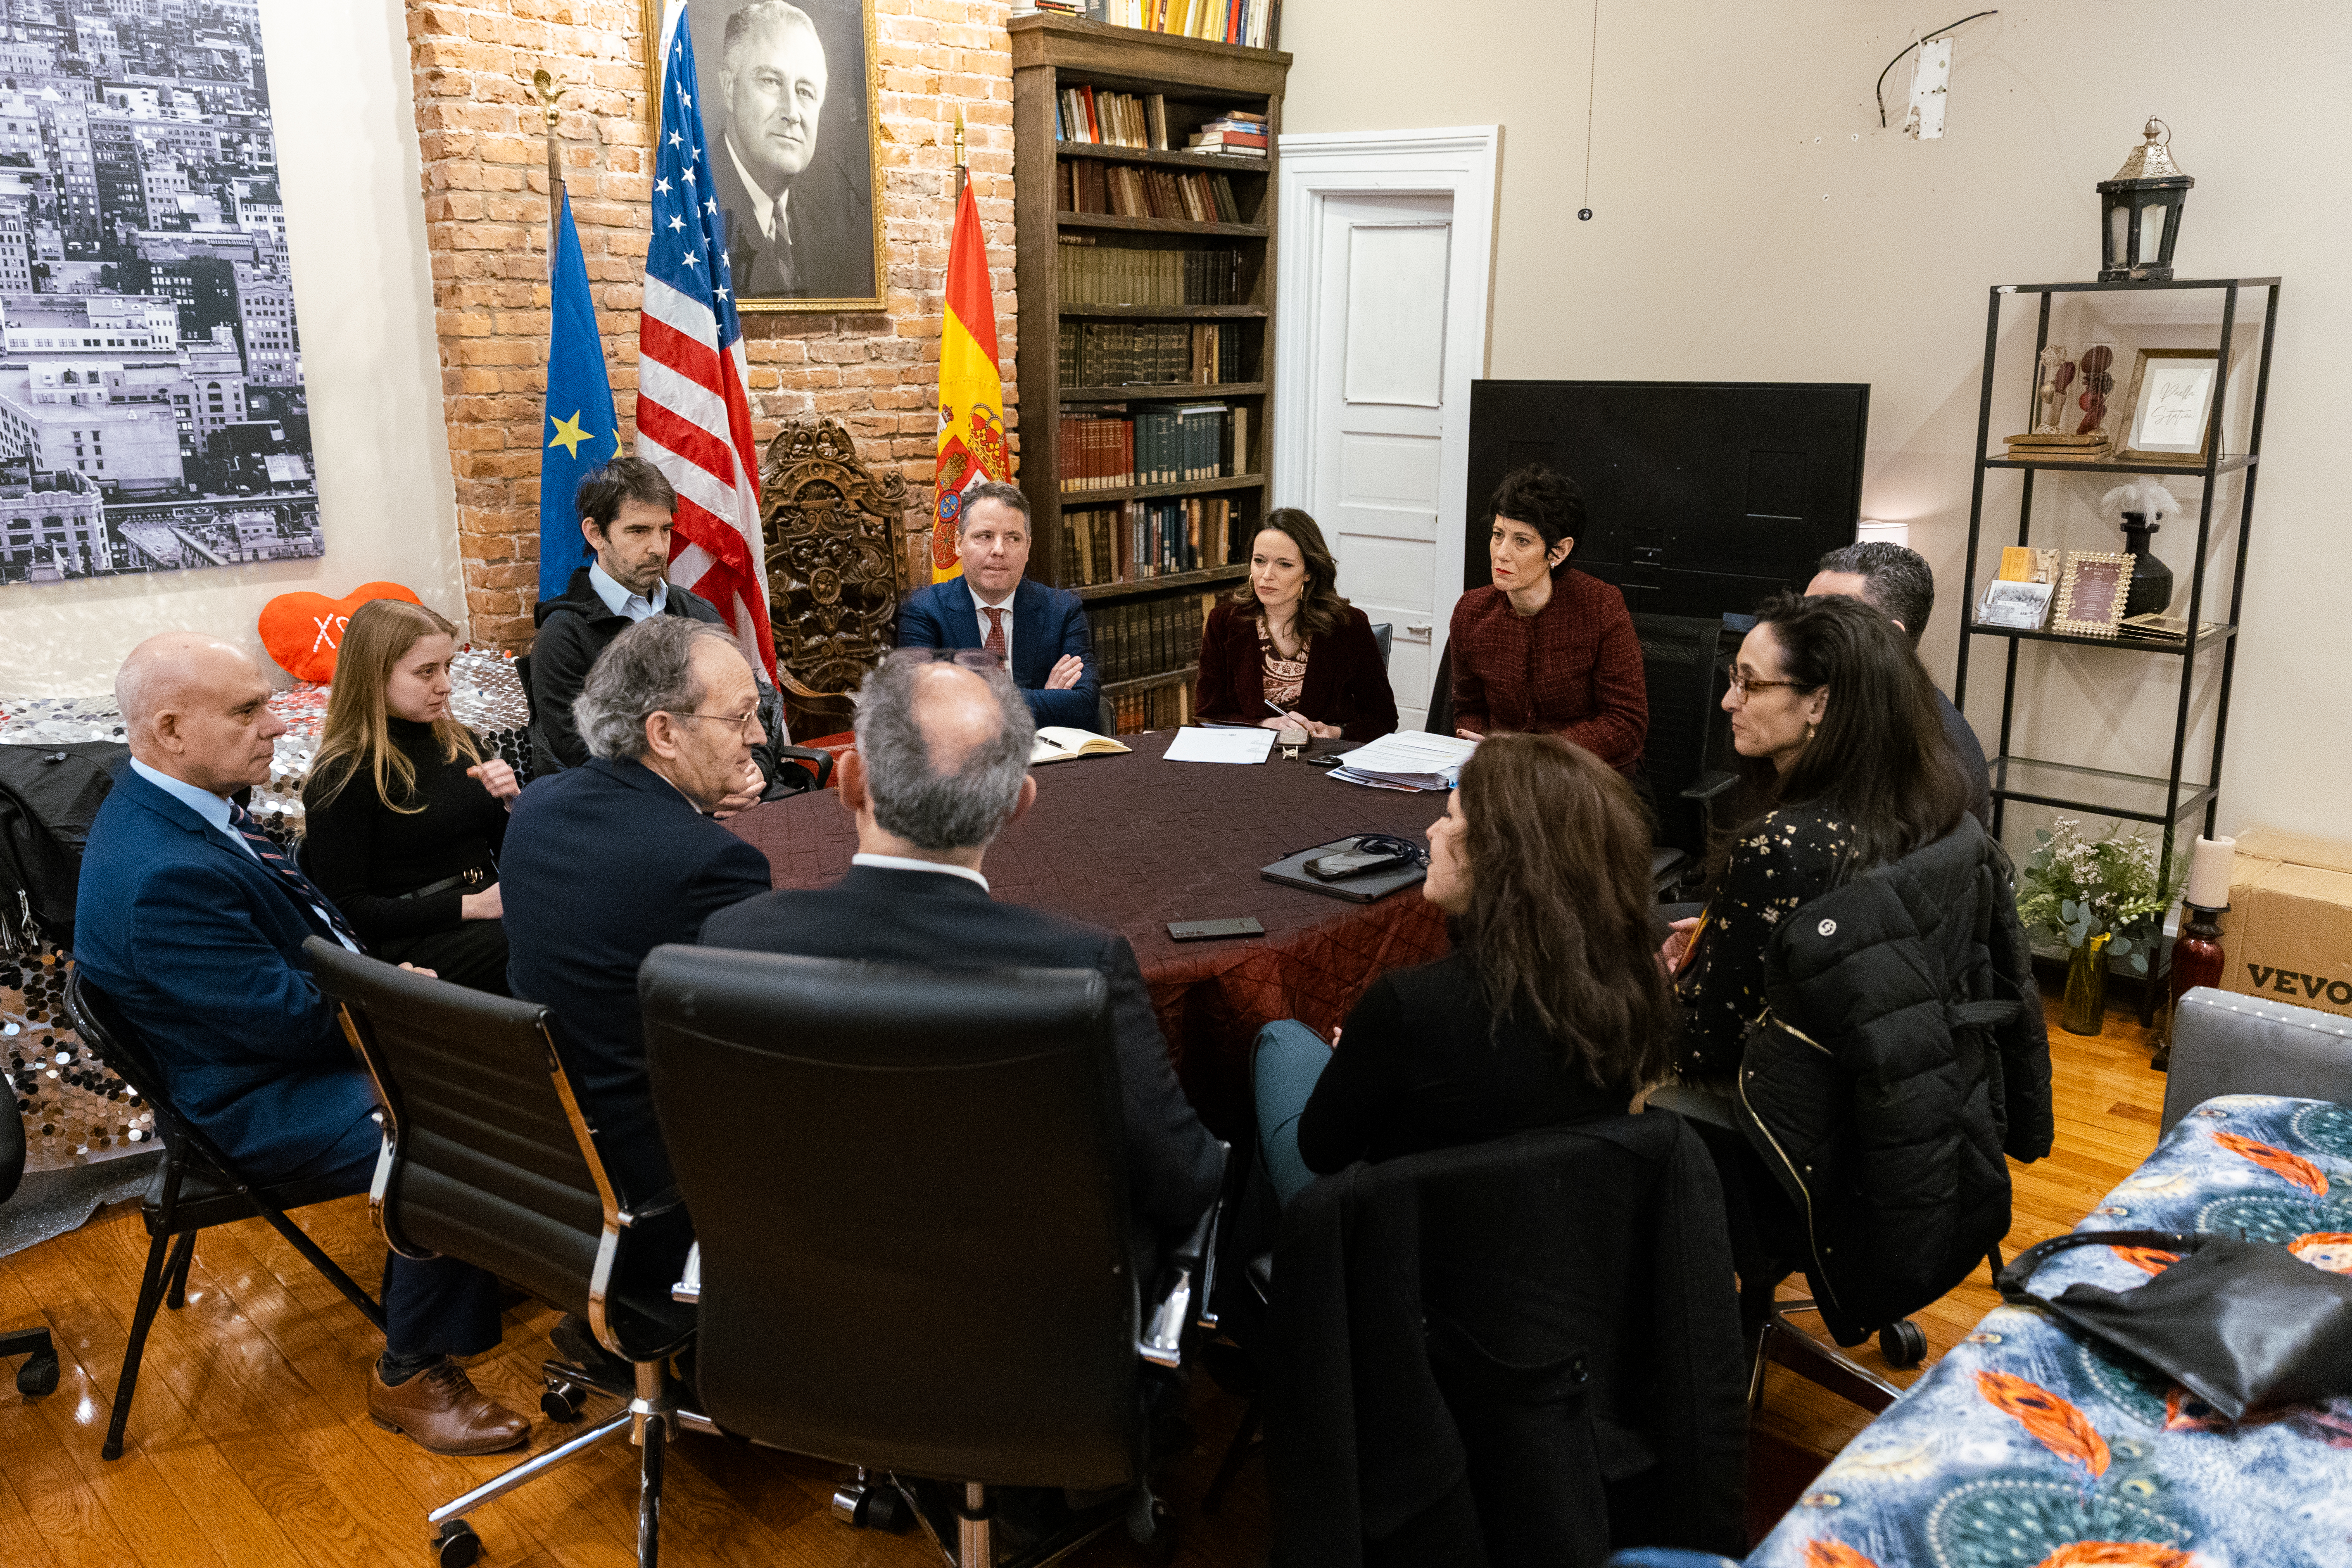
column 1902, row 1343
column 872, row 1506
column 38, row 1375
column 563, row 1401
column 456, row 1545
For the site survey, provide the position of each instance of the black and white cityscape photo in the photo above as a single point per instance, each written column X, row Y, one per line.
column 151, row 411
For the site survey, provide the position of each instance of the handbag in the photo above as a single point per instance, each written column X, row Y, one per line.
column 2241, row 1325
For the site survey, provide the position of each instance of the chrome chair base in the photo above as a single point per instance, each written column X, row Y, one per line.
column 962, row 1522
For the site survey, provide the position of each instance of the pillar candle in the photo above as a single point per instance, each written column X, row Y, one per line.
column 2209, row 873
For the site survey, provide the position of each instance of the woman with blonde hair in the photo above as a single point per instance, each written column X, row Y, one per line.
column 405, row 810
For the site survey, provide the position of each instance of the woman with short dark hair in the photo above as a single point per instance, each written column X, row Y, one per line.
column 1543, row 649
column 1552, row 1008
column 404, row 811
column 1847, row 767
column 1286, row 649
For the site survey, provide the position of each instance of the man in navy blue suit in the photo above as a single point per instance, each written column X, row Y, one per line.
column 193, row 923
column 604, row 862
column 1039, row 632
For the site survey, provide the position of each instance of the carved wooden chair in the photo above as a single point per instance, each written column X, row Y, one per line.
column 832, row 530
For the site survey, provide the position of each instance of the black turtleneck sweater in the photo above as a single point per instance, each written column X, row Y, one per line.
column 363, row 855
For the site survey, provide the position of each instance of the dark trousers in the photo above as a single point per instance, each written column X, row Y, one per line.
column 473, row 954
column 435, row 1306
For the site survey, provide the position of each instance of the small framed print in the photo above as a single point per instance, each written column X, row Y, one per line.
column 2171, row 406
column 2013, row 606
column 2091, row 593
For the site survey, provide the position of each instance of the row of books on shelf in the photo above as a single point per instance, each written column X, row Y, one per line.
column 1092, row 274
column 1142, row 637
column 1101, row 118
column 1253, row 24
column 1139, row 541
column 1124, row 190
column 1104, row 449
column 1150, row 354
column 1156, row 708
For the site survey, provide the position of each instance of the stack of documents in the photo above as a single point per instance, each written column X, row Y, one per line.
column 1197, row 744
column 1407, row 760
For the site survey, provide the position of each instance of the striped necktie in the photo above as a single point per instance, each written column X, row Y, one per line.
column 306, row 893
column 994, row 642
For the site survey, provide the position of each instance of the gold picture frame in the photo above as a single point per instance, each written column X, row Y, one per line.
column 850, row 271
column 2165, row 405
column 2092, row 594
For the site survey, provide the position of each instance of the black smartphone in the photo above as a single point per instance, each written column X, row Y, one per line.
column 1201, row 931
column 1331, row 761
column 1347, row 863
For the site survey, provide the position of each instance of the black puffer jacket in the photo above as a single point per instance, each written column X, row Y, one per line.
column 1902, row 1053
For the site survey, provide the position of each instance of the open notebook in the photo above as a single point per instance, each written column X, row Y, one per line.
column 1060, row 742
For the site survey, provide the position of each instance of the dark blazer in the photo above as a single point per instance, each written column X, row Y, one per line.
column 575, row 630
column 201, row 946
column 1046, row 624
column 1969, row 751
column 931, row 918
column 832, row 252
column 1347, row 684
column 603, row 864
column 1519, row 1352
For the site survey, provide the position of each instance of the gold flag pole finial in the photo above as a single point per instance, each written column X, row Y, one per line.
column 963, row 173
column 543, row 84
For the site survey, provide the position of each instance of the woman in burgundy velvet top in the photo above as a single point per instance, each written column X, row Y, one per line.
column 1547, row 650
column 1287, row 650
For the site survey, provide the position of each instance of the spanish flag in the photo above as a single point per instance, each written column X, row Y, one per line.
column 971, row 393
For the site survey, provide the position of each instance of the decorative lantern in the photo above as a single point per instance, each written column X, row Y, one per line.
column 2140, row 212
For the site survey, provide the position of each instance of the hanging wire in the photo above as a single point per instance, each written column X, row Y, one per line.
column 1591, row 82
column 1880, row 90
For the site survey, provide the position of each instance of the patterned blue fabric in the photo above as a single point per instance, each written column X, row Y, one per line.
column 2026, row 1438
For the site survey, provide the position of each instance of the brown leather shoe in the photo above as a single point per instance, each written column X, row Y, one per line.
column 442, row 1410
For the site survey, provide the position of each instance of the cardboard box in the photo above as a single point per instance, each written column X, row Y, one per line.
column 2287, row 934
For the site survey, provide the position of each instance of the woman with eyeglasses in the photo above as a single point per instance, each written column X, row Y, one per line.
column 405, row 811
column 1286, row 649
column 1550, row 1009
column 1846, row 767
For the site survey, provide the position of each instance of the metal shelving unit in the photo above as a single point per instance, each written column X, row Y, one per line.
column 2169, row 801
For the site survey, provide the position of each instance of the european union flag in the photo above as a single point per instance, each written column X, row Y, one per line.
column 580, row 434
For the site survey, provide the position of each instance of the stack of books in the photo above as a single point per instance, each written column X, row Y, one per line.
column 1150, row 354
column 1092, row 274
column 1102, row 449
column 1234, row 134
column 2053, row 446
column 1085, row 185
column 1255, row 24
column 1135, row 542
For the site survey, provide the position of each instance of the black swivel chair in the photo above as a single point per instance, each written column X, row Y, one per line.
column 38, row 1375
column 1686, row 754
column 924, row 1269
column 1440, row 720
column 195, row 1187
column 488, row 1157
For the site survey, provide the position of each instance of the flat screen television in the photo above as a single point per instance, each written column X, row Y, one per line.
column 1700, row 497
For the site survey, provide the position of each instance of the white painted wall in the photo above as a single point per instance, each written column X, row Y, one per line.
column 349, row 170
column 1752, row 222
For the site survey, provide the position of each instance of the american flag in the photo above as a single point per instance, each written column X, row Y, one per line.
column 694, row 418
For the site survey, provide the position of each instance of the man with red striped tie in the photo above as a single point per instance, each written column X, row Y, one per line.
column 192, row 922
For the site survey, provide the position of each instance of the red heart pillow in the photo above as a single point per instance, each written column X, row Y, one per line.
column 303, row 631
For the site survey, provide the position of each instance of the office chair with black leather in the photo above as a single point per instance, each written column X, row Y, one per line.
column 915, row 1253
column 488, row 1157
column 195, row 1187
column 38, row 1375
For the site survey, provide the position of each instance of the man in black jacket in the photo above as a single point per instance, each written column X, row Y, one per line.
column 940, row 768
column 625, row 508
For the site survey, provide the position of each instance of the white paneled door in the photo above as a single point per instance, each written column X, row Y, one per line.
column 1377, row 412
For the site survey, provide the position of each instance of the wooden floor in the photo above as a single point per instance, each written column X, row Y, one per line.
column 249, row 1444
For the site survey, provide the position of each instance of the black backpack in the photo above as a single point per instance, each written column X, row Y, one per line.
column 49, row 796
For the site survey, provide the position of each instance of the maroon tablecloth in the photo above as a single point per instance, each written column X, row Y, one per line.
column 1133, row 842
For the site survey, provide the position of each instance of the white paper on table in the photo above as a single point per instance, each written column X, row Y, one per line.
column 1196, row 744
column 1412, row 751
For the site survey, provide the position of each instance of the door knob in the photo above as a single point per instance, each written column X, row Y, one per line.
column 1419, row 631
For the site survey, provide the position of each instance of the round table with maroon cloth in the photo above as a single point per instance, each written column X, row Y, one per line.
column 1133, row 842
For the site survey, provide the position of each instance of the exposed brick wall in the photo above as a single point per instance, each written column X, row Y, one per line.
column 486, row 211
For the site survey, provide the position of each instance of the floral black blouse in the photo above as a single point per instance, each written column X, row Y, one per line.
column 1788, row 858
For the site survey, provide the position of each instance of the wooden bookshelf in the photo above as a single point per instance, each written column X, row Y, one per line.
column 1199, row 80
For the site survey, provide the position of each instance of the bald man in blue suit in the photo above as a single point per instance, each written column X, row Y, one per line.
column 1044, row 638
column 192, row 924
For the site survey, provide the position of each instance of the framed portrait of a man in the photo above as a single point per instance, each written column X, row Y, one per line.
column 790, row 114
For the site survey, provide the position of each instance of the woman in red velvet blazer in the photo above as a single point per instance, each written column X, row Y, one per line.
column 1547, row 650
column 1287, row 639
